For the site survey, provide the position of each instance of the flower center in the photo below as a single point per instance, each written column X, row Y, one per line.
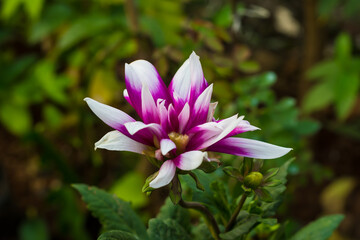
column 180, row 140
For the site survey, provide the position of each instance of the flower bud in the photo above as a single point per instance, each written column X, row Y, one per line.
column 253, row 180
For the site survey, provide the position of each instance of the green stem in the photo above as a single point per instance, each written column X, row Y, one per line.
column 236, row 213
column 207, row 214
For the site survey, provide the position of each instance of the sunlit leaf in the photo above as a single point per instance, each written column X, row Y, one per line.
column 320, row 229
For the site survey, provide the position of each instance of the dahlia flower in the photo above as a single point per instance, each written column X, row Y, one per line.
column 178, row 127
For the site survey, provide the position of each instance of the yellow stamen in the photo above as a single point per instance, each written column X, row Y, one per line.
column 180, row 141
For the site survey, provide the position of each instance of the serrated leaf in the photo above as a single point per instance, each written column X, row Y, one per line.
column 117, row 235
column 320, row 229
column 112, row 212
column 166, row 229
column 175, row 212
column 241, row 228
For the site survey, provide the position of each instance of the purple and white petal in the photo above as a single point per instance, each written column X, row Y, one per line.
column 190, row 160
column 113, row 117
column 165, row 175
column 116, row 141
column 243, row 126
column 153, row 128
column 211, row 111
column 127, row 98
column 211, row 132
column 184, row 117
column 201, row 107
column 249, row 148
column 137, row 74
column 188, row 82
column 166, row 145
column 149, row 113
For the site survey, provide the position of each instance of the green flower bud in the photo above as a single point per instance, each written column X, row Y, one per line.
column 253, row 180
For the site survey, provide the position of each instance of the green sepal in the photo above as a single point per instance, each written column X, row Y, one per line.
column 246, row 189
column 272, row 183
column 264, row 195
column 233, row 172
column 270, row 173
column 154, row 161
column 146, row 188
column 247, row 166
column 175, row 190
column 197, row 181
column 208, row 167
column 258, row 163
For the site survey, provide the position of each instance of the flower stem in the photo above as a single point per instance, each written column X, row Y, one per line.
column 214, row 229
column 236, row 213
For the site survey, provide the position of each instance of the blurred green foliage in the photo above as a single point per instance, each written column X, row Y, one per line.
column 338, row 80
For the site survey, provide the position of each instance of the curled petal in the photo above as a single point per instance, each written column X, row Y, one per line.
column 209, row 133
column 188, row 82
column 243, row 126
column 166, row 145
column 116, row 141
column 153, row 128
column 137, row 74
column 249, row 148
column 211, row 111
column 165, row 175
column 190, row 160
column 109, row 115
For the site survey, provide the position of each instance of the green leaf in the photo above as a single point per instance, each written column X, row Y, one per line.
column 264, row 195
column 9, row 7
column 84, row 28
column 322, row 70
column 113, row 213
column 326, row 7
column 270, row 173
column 249, row 66
column 241, row 228
column 117, row 235
column 16, row 118
column 128, row 188
column 346, row 91
column 201, row 232
column 33, row 230
column 318, row 97
column 343, row 46
column 321, row 229
column 33, row 8
column 166, row 229
column 171, row 211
